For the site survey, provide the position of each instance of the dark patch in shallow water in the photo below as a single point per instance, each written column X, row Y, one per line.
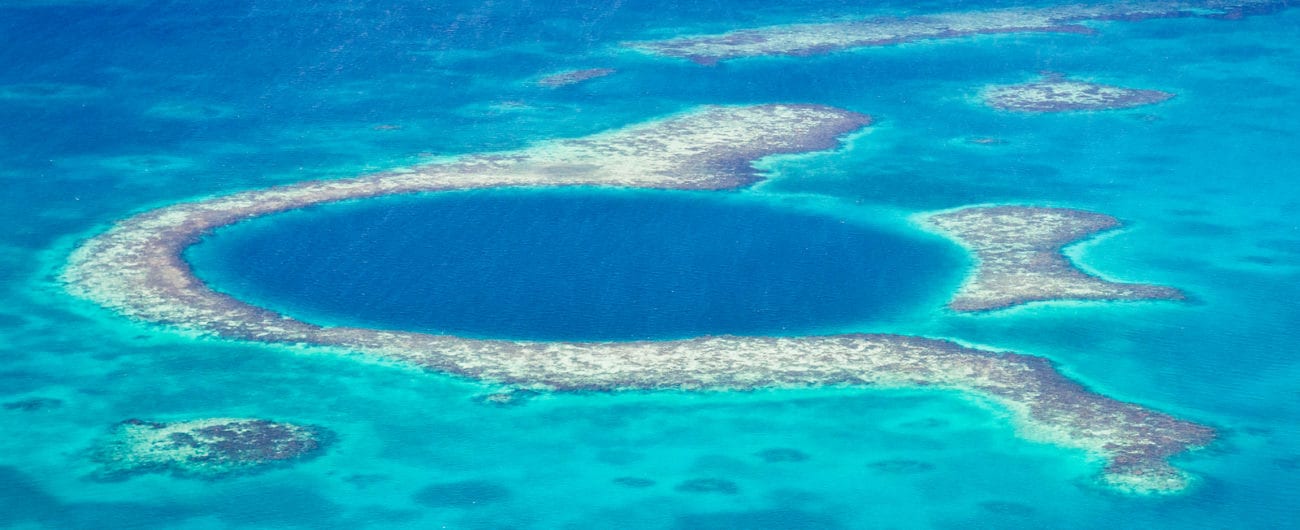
column 1288, row 464
column 12, row 321
column 925, row 424
column 24, row 502
column 901, row 466
column 782, row 454
column 33, row 404
column 708, row 485
column 1259, row 260
column 463, row 494
column 365, row 480
column 1281, row 246
column 634, row 482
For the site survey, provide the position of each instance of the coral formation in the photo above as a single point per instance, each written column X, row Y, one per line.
column 573, row 77
column 203, row 448
column 136, row 267
column 1020, row 259
column 1055, row 93
column 815, row 39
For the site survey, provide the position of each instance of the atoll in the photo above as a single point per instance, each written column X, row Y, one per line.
column 136, row 268
column 1055, row 93
column 1018, row 249
column 573, row 77
column 815, row 39
column 203, row 448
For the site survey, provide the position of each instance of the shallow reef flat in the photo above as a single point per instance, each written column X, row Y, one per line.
column 136, row 268
column 1055, row 93
column 573, row 77
column 203, row 448
column 815, row 39
column 1020, row 259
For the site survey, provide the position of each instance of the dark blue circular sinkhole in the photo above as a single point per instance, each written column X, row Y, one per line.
column 575, row 264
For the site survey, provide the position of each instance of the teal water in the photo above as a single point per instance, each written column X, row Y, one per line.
column 578, row 265
column 163, row 102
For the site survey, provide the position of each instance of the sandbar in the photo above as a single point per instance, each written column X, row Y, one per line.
column 136, row 268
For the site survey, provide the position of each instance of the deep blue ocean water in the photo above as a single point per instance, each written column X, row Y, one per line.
column 577, row 265
column 122, row 106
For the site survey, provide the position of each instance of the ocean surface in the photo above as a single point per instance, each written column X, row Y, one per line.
column 577, row 265
column 111, row 108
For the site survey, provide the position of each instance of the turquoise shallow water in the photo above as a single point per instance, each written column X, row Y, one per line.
column 157, row 103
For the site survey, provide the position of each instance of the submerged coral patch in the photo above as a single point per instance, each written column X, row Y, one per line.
column 782, row 454
column 573, row 77
column 1055, row 93
column 708, row 485
column 33, row 404
column 634, row 482
column 506, row 398
column 204, row 448
column 815, row 39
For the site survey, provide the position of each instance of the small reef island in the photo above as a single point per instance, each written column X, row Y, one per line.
column 136, row 268
column 821, row 38
column 204, row 448
column 1055, row 93
column 1020, row 260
